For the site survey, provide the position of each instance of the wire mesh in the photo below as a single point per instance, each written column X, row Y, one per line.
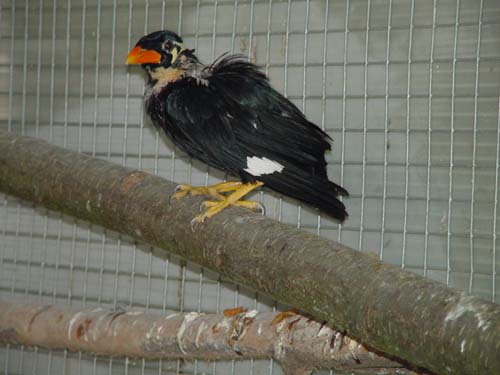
column 409, row 90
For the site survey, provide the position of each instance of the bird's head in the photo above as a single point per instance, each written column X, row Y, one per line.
column 158, row 49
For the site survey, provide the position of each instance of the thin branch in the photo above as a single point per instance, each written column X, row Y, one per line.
column 298, row 343
column 394, row 311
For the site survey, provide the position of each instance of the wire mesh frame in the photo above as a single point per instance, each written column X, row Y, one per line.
column 345, row 96
column 94, row 153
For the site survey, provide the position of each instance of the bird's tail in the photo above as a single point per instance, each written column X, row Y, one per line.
column 315, row 191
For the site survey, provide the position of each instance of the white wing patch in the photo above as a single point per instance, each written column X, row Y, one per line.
column 258, row 166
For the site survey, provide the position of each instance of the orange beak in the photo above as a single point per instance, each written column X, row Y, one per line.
column 138, row 55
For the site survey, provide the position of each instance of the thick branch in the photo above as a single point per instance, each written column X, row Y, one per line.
column 298, row 343
column 392, row 310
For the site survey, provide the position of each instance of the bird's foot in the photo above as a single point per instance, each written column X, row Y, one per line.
column 214, row 191
column 212, row 208
column 251, row 205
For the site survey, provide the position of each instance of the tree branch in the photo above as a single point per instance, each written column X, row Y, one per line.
column 298, row 343
column 394, row 311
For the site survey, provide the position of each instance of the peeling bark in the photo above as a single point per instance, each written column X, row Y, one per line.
column 397, row 312
column 298, row 343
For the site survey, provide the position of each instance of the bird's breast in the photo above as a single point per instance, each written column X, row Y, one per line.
column 164, row 76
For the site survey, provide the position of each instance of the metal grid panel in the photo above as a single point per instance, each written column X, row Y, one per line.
column 408, row 89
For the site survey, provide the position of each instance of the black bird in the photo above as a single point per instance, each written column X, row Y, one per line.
column 228, row 116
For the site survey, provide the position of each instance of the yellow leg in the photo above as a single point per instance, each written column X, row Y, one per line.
column 251, row 205
column 213, row 190
column 231, row 200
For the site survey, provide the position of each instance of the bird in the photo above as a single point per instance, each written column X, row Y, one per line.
column 227, row 115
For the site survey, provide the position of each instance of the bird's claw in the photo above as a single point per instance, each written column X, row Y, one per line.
column 171, row 199
column 261, row 208
column 210, row 208
column 192, row 224
column 198, row 219
column 180, row 191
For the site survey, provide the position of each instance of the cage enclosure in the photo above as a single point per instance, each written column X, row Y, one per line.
column 408, row 90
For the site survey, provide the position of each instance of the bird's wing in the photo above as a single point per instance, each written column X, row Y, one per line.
column 195, row 119
column 266, row 123
column 233, row 115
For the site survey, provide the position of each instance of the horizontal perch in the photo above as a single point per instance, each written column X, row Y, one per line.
column 298, row 343
column 396, row 312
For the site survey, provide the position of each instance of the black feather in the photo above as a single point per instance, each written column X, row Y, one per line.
column 235, row 114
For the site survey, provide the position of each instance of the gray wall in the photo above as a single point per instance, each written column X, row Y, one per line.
column 408, row 89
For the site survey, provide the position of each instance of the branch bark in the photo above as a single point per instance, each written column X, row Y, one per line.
column 298, row 343
column 394, row 311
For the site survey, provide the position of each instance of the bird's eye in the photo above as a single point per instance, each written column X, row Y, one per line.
column 168, row 45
